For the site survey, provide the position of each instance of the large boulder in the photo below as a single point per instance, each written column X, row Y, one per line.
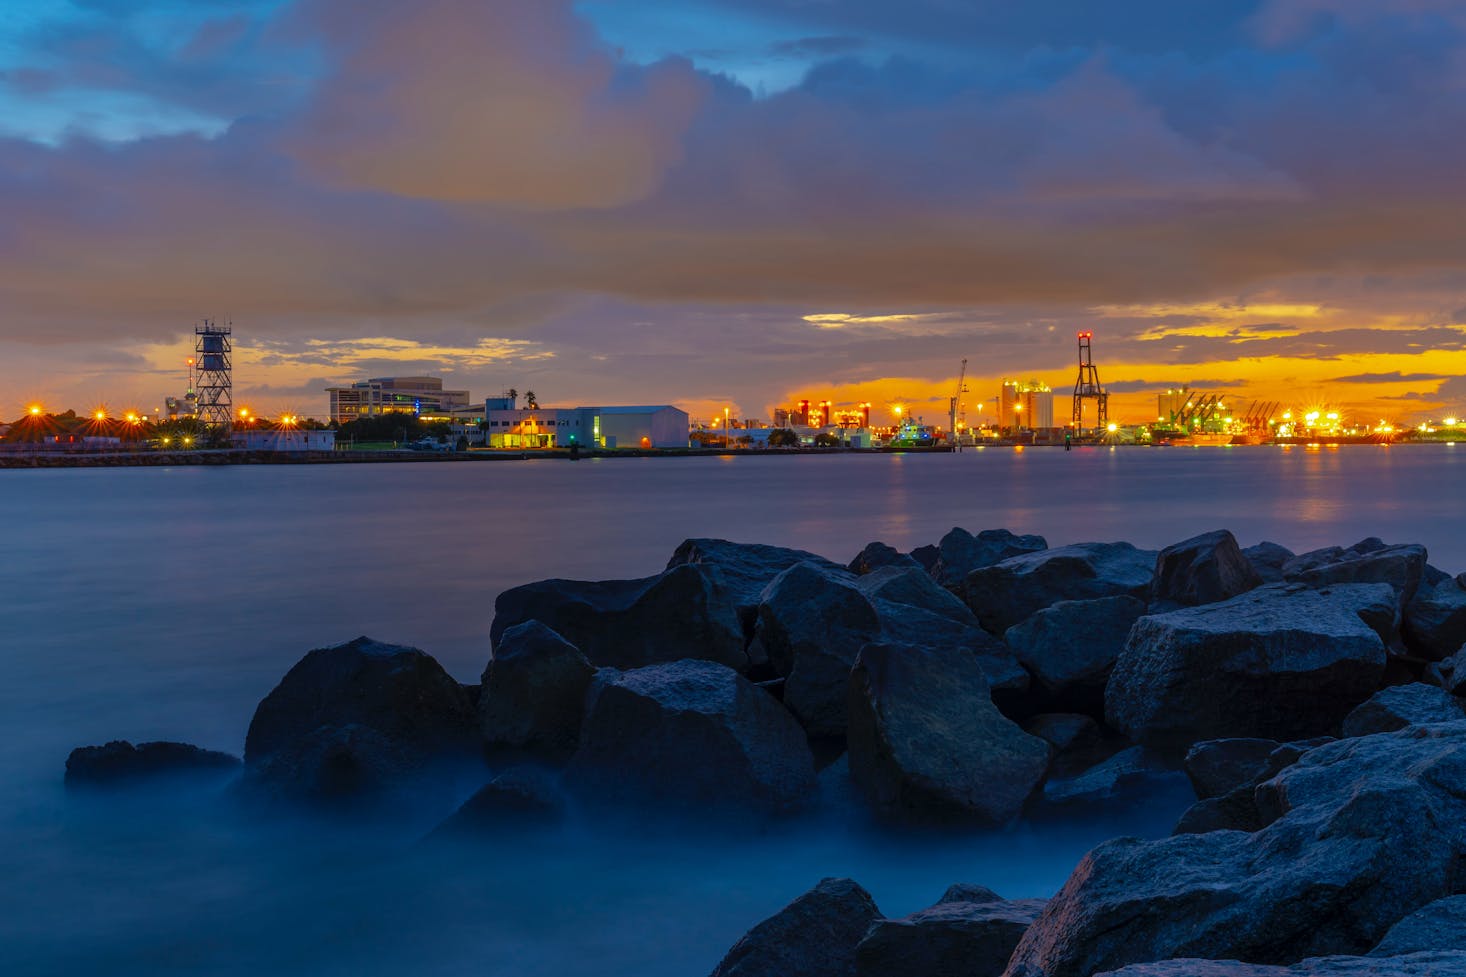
column 814, row 936
column 1364, row 832
column 401, row 694
column 331, row 765
column 970, row 933
column 877, row 555
column 1440, row 925
column 914, row 587
column 533, row 690
column 518, row 798
column 812, row 623
column 119, row 761
column 1064, row 730
column 1432, row 963
column 1203, row 570
column 1435, row 620
column 925, row 739
column 1403, row 705
column 1370, row 561
column 744, row 568
column 685, row 612
column 1277, row 662
column 1006, row 593
column 1071, row 647
column 1132, row 776
column 1225, row 774
column 960, row 552
column 690, row 735
column 1268, row 559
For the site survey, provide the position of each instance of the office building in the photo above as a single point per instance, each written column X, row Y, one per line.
column 422, row 396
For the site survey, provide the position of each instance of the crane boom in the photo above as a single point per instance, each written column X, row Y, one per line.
column 955, row 403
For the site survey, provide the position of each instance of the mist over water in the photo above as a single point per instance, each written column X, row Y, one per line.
column 164, row 603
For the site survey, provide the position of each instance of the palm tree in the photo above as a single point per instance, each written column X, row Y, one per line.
column 531, row 401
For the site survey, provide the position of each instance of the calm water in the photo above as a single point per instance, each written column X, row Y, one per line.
column 156, row 603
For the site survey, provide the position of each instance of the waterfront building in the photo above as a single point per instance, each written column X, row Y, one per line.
column 506, row 425
column 292, row 439
column 1025, row 404
column 422, row 396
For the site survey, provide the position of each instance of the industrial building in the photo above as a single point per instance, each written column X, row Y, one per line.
column 423, row 396
column 1027, row 404
column 504, row 424
column 284, row 440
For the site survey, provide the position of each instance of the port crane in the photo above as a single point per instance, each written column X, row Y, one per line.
column 955, row 405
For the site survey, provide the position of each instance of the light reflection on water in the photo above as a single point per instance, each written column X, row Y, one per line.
column 157, row 603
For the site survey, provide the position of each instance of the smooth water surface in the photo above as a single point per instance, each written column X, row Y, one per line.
column 163, row 603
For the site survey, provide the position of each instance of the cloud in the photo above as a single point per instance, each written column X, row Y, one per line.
column 1395, row 377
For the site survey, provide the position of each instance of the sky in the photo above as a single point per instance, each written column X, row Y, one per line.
column 716, row 203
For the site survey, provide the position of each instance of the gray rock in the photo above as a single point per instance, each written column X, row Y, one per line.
column 1064, row 730
column 1440, row 925
column 517, row 798
column 1435, row 963
column 1435, row 620
column 1233, row 811
column 1203, row 570
column 1376, row 604
column 1225, row 773
column 1268, row 559
column 1071, row 648
column 925, row 739
column 812, row 623
column 1403, row 705
column 1006, row 593
column 1131, row 776
column 690, row 735
column 927, row 556
column 1369, row 561
column 744, row 568
column 960, row 552
column 877, row 555
column 1449, row 673
column 119, row 762
column 400, row 693
column 685, row 612
column 533, row 692
column 814, row 936
column 1368, row 833
column 912, row 586
column 955, row 938
column 1274, row 662
column 335, row 765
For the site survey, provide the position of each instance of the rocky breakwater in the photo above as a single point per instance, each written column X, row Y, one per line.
column 1306, row 703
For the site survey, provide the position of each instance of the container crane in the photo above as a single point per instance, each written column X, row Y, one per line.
column 955, row 405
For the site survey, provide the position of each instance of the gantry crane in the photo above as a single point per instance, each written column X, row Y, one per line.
column 955, row 405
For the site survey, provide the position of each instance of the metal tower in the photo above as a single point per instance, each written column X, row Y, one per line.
column 1088, row 387
column 213, row 353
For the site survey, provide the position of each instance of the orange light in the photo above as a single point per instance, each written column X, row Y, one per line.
column 35, row 410
column 131, row 417
column 100, row 415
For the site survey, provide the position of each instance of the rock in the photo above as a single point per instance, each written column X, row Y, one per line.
column 1367, row 832
column 912, row 586
column 400, row 693
column 1403, row 705
column 692, row 735
column 1440, row 925
column 1071, row 647
column 1203, row 570
column 334, row 765
column 119, row 761
column 1435, row 620
column 877, row 555
column 814, row 936
column 1233, row 811
column 1449, row 673
column 517, row 798
column 1267, row 560
column 1369, row 561
column 955, row 938
column 1006, row 593
column 812, row 624
column 1376, row 605
column 925, row 739
column 1217, row 767
column 1063, row 730
column 1434, row 963
column 1133, row 775
column 1434, row 577
column 960, row 552
column 927, row 556
column 685, row 612
column 534, row 691
column 744, row 568
column 1274, row 662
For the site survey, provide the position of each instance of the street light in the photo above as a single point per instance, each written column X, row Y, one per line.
column 725, row 427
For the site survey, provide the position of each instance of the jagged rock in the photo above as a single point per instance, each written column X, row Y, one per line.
column 1268, row 559
column 685, row 612
column 1376, row 604
column 1217, row 767
column 533, row 692
column 1440, row 925
column 119, row 761
column 925, row 739
column 877, row 555
column 1369, row 561
column 958, row 937
column 912, row 586
column 1063, row 730
column 1203, row 570
column 812, row 623
column 744, row 568
column 1006, row 593
column 1275, row 662
column 1449, row 673
column 927, row 556
column 1434, row 963
column 1367, row 832
column 1130, row 776
column 1403, row 705
column 814, row 936
column 1071, row 647
column 1435, row 620
column 960, row 552
column 521, row 796
column 1233, row 811
column 400, row 693
column 690, row 734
